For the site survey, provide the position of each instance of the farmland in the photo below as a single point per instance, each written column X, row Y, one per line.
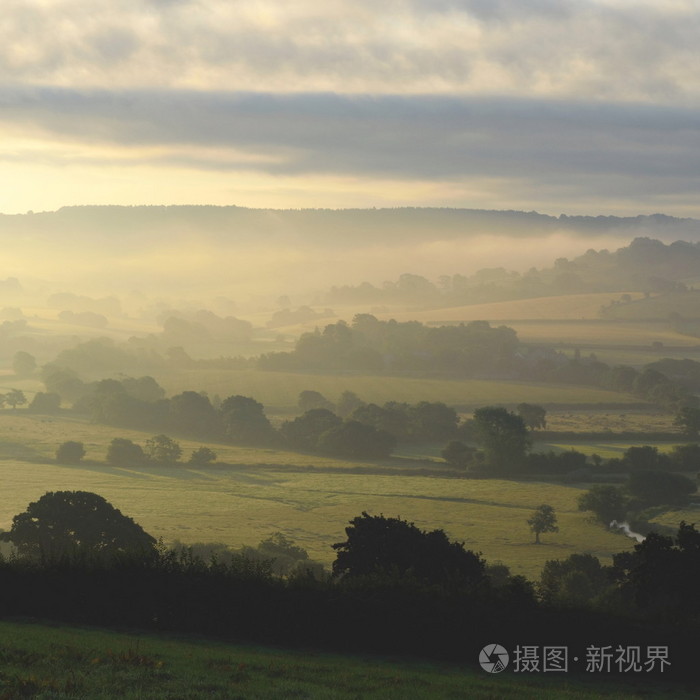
column 310, row 499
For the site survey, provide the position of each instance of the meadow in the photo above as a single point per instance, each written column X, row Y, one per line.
column 310, row 499
column 49, row 661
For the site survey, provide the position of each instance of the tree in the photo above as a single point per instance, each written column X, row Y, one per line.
column 542, row 520
column 660, row 488
column 304, row 431
column 23, row 364
column 457, row 454
column 162, row 449
column 661, row 575
column 76, row 524
column 533, row 416
column 192, row 413
column 504, row 437
column 202, row 456
column 688, row 420
column 644, row 458
column 245, row 421
column 309, row 399
column 347, row 403
column 394, row 547
column 353, row 439
column 46, row 403
column 607, row 502
column 14, row 398
column 70, row 452
column 122, row 452
column 574, row 581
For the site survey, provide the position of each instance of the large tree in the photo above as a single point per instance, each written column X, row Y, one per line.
column 377, row 545
column 503, row 436
column 63, row 525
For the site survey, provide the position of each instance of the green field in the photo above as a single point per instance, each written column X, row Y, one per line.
column 50, row 661
column 310, row 499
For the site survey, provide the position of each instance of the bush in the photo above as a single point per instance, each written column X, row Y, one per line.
column 70, row 452
column 122, row 452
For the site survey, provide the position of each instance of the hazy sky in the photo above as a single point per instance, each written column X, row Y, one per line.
column 575, row 106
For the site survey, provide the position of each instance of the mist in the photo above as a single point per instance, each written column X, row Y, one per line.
column 254, row 255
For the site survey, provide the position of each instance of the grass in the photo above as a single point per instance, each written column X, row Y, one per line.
column 310, row 499
column 49, row 661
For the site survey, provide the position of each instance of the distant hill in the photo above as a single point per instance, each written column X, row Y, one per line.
column 331, row 226
column 205, row 252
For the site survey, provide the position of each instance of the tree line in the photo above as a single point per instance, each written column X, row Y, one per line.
column 393, row 588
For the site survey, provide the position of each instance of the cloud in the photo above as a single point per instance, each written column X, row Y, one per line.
column 565, row 48
column 605, row 150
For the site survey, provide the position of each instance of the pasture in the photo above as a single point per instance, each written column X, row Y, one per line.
column 310, row 499
column 41, row 660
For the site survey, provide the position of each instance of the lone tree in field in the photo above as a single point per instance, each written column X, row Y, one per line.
column 70, row 452
column 543, row 520
column 14, row 398
column 63, row 525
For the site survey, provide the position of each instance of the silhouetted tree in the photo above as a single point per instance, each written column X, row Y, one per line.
column 395, row 547
column 73, row 524
column 575, row 581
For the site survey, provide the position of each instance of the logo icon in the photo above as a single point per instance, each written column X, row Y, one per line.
column 493, row 658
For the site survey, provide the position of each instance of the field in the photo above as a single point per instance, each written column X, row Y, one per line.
column 310, row 499
column 47, row 661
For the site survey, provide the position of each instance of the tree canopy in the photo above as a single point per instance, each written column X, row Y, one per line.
column 76, row 524
column 394, row 547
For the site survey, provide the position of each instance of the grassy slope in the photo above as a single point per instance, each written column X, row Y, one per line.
column 45, row 661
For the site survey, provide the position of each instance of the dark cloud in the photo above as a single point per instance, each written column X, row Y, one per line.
column 543, row 149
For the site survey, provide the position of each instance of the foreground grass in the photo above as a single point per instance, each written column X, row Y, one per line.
column 48, row 661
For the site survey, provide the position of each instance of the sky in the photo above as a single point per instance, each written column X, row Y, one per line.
column 558, row 106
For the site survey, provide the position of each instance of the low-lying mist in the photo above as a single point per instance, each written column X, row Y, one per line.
column 199, row 254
